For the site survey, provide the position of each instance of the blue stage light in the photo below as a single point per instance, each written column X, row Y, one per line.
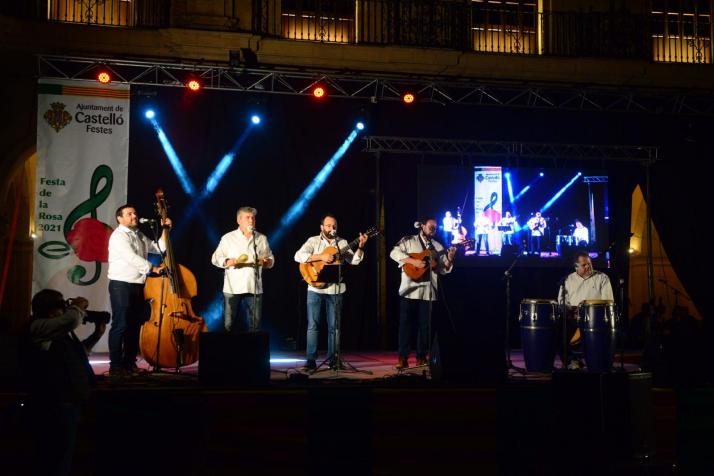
column 255, row 119
column 360, row 126
column 181, row 173
column 150, row 114
column 510, row 187
column 297, row 209
column 560, row 192
column 541, row 174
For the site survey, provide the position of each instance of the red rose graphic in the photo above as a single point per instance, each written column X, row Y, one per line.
column 90, row 240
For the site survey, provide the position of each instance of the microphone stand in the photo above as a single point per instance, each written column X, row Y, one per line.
column 337, row 363
column 507, row 275
column 254, row 309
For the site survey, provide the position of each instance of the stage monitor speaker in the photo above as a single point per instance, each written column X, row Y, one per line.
column 483, row 364
column 228, row 359
column 612, row 414
column 510, row 251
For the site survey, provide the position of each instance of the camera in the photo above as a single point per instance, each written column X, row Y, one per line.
column 97, row 317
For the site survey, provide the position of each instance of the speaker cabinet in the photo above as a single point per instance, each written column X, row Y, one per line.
column 234, row 359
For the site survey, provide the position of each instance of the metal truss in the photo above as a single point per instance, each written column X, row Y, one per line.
column 382, row 87
column 595, row 179
column 502, row 149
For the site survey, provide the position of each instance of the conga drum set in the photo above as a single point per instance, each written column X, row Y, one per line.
column 540, row 321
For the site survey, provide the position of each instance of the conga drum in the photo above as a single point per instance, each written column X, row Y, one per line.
column 537, row 320
column 596, row 321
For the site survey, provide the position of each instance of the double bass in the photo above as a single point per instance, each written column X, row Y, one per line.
column 170, row 337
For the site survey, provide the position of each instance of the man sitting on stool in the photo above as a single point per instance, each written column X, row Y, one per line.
column 581, row 285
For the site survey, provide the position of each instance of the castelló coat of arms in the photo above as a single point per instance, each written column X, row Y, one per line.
column 57, row 117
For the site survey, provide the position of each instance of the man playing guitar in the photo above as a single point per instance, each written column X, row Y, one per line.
column 416, row 294
column 314, row 249
column 536, row 225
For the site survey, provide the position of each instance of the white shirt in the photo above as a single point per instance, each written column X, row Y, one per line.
column 581, row 234
column 128, row 250
column 315, row 245
column 241, row 280
column 537, row 225
column 449, row 223
column 483, row 225
column 579, row 289
column 509, row 222
column 418, row 289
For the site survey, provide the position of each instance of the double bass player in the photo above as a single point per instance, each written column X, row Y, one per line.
column 128, row 269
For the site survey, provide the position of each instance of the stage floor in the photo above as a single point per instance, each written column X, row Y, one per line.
column 370, row 365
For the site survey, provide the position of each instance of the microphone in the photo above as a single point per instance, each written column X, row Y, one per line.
column 417, row 224
column 332, row 233
column 147, row 220
column 251, row 228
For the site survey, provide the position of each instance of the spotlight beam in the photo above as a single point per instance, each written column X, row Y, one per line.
column 176, row 164
column 297, row 209
column 181, row 174
column 211, row 184
column 527, row 187
column 560, row 192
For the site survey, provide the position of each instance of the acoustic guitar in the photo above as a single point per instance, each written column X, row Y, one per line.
column 417, row 273
column 311, row 271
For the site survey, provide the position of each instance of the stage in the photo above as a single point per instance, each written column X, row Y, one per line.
column 374, row 366
column 386, row 423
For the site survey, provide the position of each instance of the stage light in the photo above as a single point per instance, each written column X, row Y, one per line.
column 33, row 236
column 194, row 85
column 319, row 92
column 210, row 186
column 541, row 174
column 631, row 251
column 360, row 126
column 408, row 98
column 560, row 192
column 150, row 114
column 297, row 209
column 510, row 188
column 255, row 119
column 104, row 77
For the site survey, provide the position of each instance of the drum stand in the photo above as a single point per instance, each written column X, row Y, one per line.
column 564, row 324
column 507, row 275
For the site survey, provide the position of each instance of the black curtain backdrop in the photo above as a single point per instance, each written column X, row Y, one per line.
column 298, row 135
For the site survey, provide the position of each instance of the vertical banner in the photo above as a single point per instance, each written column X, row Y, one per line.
column 488, row 184
column 82, row 167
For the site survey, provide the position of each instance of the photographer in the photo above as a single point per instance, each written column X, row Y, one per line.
column 58, row 375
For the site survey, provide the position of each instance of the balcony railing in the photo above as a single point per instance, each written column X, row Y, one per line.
column 486, row 27
column 125, row 13
column 514, row 28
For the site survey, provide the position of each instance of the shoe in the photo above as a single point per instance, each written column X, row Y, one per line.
column 136, row 371
column 422, row 362
column 402, row 363
column 575, row 365
column 311, row 364
column 117, row 373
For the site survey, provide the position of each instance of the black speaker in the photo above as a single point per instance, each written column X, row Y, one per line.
column 482, row 364
column 234, row 359
column 510, row 251
column 612, row 415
